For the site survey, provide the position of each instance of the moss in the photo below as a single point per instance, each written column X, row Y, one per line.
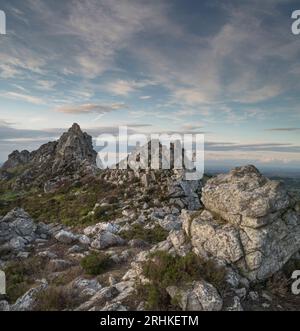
column 163, row 270
column 152, row 236
column 95, row 263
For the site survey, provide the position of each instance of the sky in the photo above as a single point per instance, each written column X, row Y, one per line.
column 227, row 69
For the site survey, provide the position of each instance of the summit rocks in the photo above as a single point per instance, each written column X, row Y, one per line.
column 54, row 163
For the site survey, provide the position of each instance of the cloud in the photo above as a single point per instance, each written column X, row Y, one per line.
column 192, row 126
column 145, row 97
column 258, row 95
column 45, row 85
column 125, row 87
column 4, row 123
column 9, row 133
column 23, row 97
column 121, row 87
column 261, row 147
column 191, row 96
column 284, row 129
column 234, row 58
column 91, row 108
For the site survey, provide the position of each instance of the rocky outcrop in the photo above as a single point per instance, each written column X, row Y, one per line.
column 28, row 300
column 107, row 239
column 73, row 148
column 200, row 296
column 245, row 197
column 186, row 193
column 18, row 231
column 249, row 221
column 16, row 159
column 55, row 163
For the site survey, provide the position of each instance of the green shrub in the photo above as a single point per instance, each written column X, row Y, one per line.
column 95, row 263
column 163, row 270
column 152, row 236
column 20, row 276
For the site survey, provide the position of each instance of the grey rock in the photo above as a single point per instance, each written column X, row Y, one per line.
column 66, row 237
column 55, row 162
column 16, row 159
column 116, row 306
column 4, row 306
column 138, row 243
column 170, row 222
column 99, row 299
column 107, row 239
column 27, row 301
column 244, row 192
column 201, row 296
column 93, row 230
column 59, row 265
column 236, row 305
column 249, row 222
column 86, row 287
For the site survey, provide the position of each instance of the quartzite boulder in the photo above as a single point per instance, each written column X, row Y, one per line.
column 249, row 221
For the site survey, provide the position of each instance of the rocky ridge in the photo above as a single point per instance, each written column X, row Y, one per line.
column 241, row 224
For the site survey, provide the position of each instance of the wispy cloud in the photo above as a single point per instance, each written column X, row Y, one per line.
column 262, row 147
column 284, row 129
column 125, row 87
column 23, row 97
column 91, row 108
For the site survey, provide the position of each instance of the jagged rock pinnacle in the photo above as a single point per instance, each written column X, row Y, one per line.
column 75, row 128
column 71, row 154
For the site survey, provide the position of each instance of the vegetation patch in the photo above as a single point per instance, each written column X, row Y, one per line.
column 69, row 205
column 152, row 236
column 20, row 276
column 56, row 298
column 96, row 263
column 163, row 270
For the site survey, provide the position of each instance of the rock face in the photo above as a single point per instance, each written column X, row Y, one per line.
column 72, row 149
column 27, row 301
column 249, row 221
column 17, row 230
column 16, row 159
column 53, row 163
column 245, row 197
column 201, row 296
